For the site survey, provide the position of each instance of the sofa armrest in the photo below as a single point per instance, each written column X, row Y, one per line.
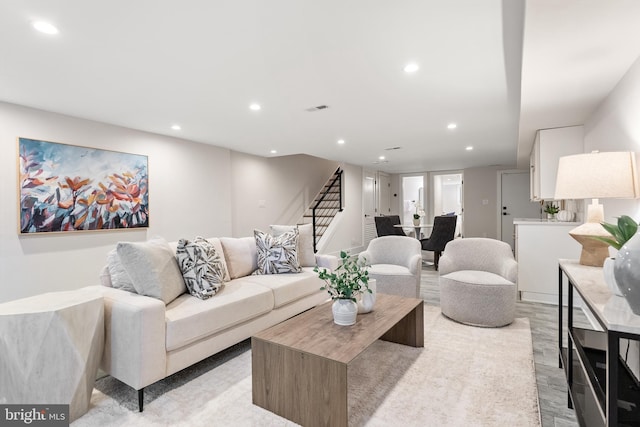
column 135, row 337
column 330, row 262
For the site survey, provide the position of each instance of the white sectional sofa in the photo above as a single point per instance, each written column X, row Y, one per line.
column 147, row 340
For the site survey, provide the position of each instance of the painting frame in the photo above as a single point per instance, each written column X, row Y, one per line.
column 65, row 188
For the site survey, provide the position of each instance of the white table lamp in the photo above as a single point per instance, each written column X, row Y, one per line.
column 596, row 176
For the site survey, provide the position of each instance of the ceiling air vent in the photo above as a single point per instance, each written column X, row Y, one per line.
column 317, row 108
column 392, row 148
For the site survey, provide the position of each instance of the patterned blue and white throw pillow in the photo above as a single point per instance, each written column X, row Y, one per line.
column 279, row 254
column 201, row 266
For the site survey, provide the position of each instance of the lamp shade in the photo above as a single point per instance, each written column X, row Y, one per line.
column 597, row 175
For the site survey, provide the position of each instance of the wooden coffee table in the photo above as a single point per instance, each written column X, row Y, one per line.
column 299, row 367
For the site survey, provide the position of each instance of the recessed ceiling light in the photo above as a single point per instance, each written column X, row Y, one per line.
column 452, row 126
column 411, row 67
column 469, row 148
column 45, row 27
column 255, row 107
column 274, row 151
column 381, row 158
column 341, row 141
column 176, row 127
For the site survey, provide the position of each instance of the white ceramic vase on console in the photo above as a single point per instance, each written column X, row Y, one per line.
column 609, row 276
column 627, row 272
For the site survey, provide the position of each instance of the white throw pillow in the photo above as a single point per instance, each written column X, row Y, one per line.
column 153, row 269
column 277, row 255
column 306, row 256
column 201, row 266
column 119, row 277
column 240, row 255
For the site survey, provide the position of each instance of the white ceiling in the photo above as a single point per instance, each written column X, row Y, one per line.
column 148, row 64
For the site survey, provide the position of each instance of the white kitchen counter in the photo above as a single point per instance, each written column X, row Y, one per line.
column 537, row 221
column 539, row 245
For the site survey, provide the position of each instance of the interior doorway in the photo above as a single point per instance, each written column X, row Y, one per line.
column 412, row 197
column 448, row 196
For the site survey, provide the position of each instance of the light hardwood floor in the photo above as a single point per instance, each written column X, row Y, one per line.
column 543, row 318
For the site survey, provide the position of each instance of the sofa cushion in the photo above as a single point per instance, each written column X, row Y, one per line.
column 477, row 277
column 277, row 255
column 118, row 276
column 153, row 269
column 189, row 319
column 288, row 287
column 201, row 267
column 306, row 256
column 240, row 255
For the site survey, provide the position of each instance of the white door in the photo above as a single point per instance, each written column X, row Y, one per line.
column 369, row 205
column 384, row 186
column 515, row 203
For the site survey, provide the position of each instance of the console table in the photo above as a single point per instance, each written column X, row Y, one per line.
column 601, row 387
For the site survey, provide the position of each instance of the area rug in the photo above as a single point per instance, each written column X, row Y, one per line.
column 464, row 376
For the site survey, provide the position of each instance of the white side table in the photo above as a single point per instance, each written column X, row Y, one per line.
column 50, row 349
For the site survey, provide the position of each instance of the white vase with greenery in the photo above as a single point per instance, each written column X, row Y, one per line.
column 349, row 280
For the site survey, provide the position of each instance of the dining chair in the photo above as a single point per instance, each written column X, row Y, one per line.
column 444, row 229
column 385, row 226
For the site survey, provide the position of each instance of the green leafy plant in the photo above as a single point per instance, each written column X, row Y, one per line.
column 620, row 233
column 348, row 280
column 551, row 209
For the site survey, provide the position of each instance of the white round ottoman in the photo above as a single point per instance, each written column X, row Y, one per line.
column 478, row 298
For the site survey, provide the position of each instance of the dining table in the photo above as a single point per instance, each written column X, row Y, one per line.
column 417, row 228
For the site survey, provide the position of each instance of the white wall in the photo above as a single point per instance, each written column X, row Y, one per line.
column 194, row 189
column 276, row 190
column 615, row 126
column 189, row 195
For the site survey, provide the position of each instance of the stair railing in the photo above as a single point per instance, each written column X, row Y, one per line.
column 336, row 182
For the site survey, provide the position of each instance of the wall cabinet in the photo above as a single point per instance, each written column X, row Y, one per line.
column 549, row 146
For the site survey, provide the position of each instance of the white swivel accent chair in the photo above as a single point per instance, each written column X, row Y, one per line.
column 396, row 263
column 478, row 282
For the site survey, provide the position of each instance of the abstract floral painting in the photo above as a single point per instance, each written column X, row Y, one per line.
column 70, row 188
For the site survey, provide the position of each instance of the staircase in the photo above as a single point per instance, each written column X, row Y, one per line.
column 325, row 206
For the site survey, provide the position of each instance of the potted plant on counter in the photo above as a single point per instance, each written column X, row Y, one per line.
column 344, row 284
column 551, row 210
